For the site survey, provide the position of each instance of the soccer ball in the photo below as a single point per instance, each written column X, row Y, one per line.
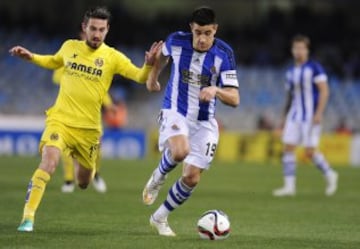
column 214, row 225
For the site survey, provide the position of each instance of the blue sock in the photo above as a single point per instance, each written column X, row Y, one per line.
column 289, row 164
column 321, row 163
column 166, row 165
column 177, row 195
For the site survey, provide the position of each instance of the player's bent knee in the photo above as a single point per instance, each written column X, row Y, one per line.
column 48, row 166
column 179, row 154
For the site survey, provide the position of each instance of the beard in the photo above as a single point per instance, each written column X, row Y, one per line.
column 93, row 44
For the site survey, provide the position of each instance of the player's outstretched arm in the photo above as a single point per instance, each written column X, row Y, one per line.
column 152, row 83
column 45, row 61
column 228, row 95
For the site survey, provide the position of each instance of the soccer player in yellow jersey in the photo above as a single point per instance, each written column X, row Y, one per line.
column 67, row 160
column 73, row 124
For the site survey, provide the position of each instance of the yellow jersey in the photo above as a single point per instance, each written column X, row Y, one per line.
column 56, row 78
column 85, row 81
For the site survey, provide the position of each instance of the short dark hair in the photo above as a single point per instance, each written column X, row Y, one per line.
column 301, row 38
column 97, row 12
column 203, row 16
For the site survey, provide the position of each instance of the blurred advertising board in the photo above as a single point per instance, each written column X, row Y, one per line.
column 125, row 144
column 266, row 147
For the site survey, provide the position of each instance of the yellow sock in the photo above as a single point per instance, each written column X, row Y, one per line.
column 68, row 165
column 35, row 193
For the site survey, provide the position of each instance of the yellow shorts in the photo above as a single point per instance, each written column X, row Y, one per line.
column 81, row 144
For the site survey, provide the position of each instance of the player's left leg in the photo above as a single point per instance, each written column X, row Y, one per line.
column 321, row 163
column 98, row 182
column 85, row 154
column 69, row 175
column 83, row 175
column 312, row 134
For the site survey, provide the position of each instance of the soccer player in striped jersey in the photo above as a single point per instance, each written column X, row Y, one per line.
column 306, row 83
column 203, row 70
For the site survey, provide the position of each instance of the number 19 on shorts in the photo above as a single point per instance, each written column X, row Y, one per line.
column 210, row 149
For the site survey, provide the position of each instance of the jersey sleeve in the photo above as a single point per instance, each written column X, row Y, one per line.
column 166, row 49
column 319, row 73
column 126, row 68
column 228, row 75
column 51, row 61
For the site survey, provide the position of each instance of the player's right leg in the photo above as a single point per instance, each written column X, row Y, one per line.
column 291, row 137
column 289, row 170
column 36, row 188
column 174, row 143
column 176, row 151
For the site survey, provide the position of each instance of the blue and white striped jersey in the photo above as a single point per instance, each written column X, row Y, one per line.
column 192, row 70
column 301, row 81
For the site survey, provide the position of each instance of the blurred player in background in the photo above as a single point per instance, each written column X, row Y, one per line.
column 67, row 160
column 203, row 70
column 308, row 94
column 73, row 124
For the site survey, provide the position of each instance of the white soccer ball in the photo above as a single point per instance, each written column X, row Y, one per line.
column 214, row 225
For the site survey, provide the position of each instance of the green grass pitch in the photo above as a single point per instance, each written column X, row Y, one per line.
column 118, row 219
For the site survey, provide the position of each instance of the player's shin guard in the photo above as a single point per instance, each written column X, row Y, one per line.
column 289, row 169
column 321, row 163
column 68, row 165
column 177, row 195
column 166, row 164
column 35, row 193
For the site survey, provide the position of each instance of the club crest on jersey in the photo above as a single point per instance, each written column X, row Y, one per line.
column 99, row 62
column 175, row 127
column 54, row 137
column 213, row 70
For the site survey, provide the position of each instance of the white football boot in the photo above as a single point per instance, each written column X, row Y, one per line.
column 162, row 227
column 332, row 181
column 284, row 191
column 68, row 187
column 99, row 184
column 151, row 190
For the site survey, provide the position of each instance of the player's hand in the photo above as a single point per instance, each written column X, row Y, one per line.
column 21, row 52
column 208, row 93
column 317, row 118
column 152, row 54
column 153, row 86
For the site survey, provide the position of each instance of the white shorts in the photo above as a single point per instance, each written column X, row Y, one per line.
column 203, row 136
column 302, row 133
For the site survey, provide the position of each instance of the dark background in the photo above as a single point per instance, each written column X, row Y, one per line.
column 258, row 30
